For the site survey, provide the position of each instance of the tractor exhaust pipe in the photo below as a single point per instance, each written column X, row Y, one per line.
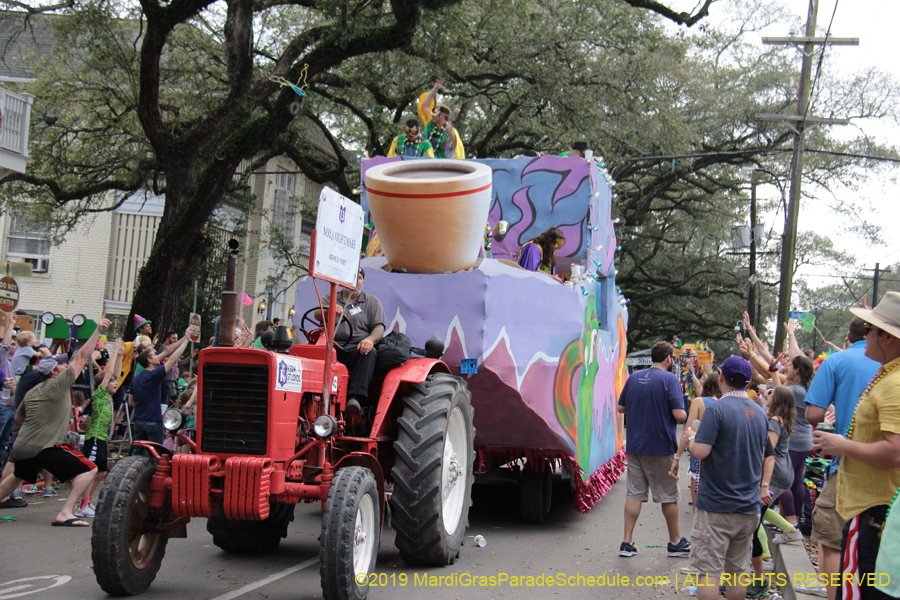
column 229, row 299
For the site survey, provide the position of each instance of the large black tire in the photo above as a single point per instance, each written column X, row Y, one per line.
column 351, row 530
column 433, row 471
column 252, row 537
column 126, row 560
column 535, row 494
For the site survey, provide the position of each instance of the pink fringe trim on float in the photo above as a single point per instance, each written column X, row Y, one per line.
column 587, row 493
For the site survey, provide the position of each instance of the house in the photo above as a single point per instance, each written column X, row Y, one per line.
column 95, row 268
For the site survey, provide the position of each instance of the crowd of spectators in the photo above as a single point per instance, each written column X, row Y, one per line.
column 48, row 427
column 750, row 432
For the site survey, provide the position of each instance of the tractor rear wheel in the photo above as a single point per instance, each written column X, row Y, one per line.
column 252, row 537
column 433, row 472
column 125, row 550
column 351, row 531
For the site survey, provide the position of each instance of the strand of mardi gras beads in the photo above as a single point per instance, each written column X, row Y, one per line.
column 872, row 384
column 891, row 505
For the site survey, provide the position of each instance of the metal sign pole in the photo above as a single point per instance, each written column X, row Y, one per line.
column 193, row 310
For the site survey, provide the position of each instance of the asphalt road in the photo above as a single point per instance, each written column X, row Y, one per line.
column 51, row 563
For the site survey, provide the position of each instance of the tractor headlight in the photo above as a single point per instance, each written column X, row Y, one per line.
column 173, row 419
column 324, row 426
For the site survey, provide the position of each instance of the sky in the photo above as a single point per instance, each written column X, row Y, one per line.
column 874, row 23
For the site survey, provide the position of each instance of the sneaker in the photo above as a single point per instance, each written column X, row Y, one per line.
column 787, row 538
column 680, row 550
column 768, row 566
column 757, row 591
column 86, row 512
column 14, row 503
column 627, row 550
column 353, row 407
column 50, row 493
column 16, row 494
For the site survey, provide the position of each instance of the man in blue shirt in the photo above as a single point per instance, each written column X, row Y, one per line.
column 731, row 445
column 839, row 380
column 653, row 405
column 146, row 392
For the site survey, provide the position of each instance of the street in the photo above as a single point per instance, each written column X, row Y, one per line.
column 50, row 563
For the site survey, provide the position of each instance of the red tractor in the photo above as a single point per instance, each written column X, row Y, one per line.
column 268, row 436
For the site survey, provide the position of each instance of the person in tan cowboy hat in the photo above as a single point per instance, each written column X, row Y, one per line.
column 869, row 452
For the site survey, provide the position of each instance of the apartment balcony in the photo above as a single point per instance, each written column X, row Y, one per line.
column 14, row 153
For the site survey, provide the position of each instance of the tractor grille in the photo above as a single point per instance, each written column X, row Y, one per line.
column 235, row 408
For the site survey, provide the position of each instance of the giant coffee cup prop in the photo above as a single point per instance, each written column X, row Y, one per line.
column 430, row 214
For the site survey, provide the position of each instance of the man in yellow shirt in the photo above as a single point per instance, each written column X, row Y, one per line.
column 869, row 473
column 444, row 138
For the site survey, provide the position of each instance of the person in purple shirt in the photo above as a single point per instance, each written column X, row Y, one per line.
column 653, row 405
column 539, row 254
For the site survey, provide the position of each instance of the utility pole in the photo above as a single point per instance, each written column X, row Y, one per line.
column 751, row 295
column 875, row 286
column 875, row 278
column 803, row 123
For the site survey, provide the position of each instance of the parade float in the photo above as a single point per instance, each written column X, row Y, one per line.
column 543, row 360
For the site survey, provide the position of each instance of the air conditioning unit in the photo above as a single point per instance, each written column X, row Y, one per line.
column 39, row 265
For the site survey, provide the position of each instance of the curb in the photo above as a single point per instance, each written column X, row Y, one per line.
column 793, row 562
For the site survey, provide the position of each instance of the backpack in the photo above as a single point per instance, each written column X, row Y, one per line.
column 393, row 350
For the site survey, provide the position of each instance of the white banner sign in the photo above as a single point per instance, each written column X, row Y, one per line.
column 339, row 230
column 288, row 374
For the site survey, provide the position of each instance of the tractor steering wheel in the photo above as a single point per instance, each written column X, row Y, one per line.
column 312, row 336
column 316, row 329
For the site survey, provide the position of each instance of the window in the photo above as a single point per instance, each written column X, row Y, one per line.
column 284, row 213
column 29, row 242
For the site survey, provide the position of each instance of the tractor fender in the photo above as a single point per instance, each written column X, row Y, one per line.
column 155, row 450
column 414, row 370
column 367, row 461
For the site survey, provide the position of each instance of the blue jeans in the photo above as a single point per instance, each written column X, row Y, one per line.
column 151, row 432
column 166, row 389
column 7, row 420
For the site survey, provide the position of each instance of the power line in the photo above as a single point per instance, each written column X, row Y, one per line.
column 754, row 151
column 852, row 155
column 851, row 277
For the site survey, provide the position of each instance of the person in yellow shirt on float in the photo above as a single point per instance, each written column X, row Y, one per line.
column 444, row 138
column 411, row 143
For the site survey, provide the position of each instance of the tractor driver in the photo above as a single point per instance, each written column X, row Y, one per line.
column 360, row 327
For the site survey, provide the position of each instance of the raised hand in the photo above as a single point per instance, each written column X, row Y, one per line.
column 790, row 327
column 863, row 304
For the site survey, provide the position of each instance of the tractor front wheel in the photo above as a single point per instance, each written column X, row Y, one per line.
column 127, row 547
column 351, row 530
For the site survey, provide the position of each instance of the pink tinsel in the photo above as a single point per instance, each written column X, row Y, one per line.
column 587, row 493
